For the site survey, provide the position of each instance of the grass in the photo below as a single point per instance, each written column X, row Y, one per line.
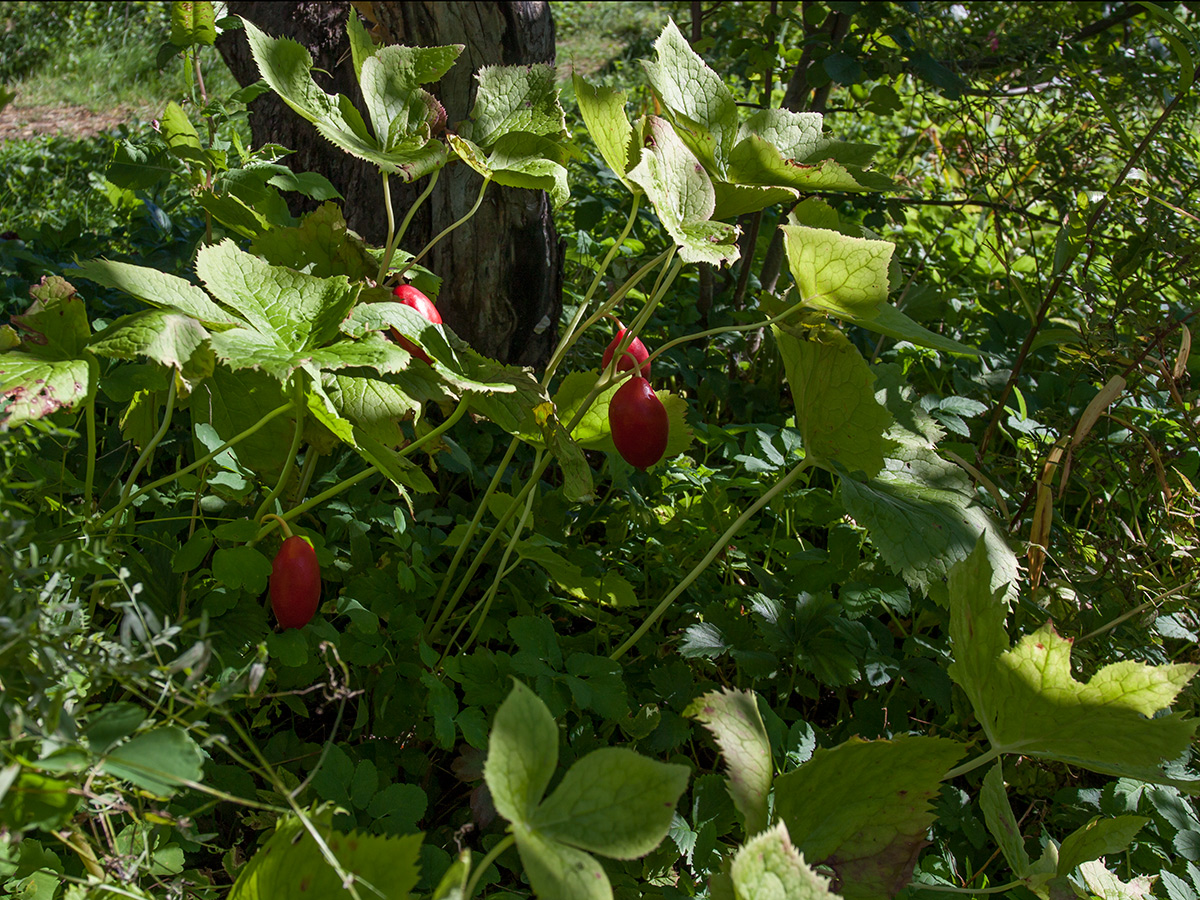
column 592, row 34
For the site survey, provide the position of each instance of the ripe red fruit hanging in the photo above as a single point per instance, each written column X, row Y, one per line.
column 636, row 347
column 410, row 296
column 295, row 583
column 638, row 422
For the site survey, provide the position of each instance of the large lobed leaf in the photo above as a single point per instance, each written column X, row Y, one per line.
column 1028, row 702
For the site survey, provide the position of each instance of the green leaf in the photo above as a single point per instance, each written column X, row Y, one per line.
column 515, row 99
column 321, row 246
column 241, row 568
column 1099, row 837
column 609, row 589
column 1028, row 702
column 55, row 326
column 1104, row 884
column 372, row 404
column 614, row 802
column 998, row 814
column 735, row 722
column 522, row 754
column 391, row 80
column 768, row 867
column 292, row 866
column 164, row 336
column 833, row 391
column 158, row 289
column 111, row 723
column 34, row 800
column 863, row 809
column 192, row 23
column 683, row 196
column 695, row 97
column 558, row 872
column 842, row 275
column 287, row 66
column 362, row 47
column 158, row 761
column 923, row 516
column 603, row 111
column 301, row 311
column 230, row 402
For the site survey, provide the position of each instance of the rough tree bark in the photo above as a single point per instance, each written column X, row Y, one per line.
column 502, row 287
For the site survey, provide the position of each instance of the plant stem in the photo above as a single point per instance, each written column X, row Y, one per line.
column 202, row 461
column 391, row 232
column 449, row 228
column 89, row 479
column 567, row 339
column 951, row 889
column 721, row 543
column 1153, row 601
column 145, row 456
column 459, row 412
column 408, row 217
column 290, row 461
column 981, row 760
column 471, row 529
column 485, row 862
column 486, row 602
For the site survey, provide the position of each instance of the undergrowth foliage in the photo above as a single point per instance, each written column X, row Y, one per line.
column 797, row 657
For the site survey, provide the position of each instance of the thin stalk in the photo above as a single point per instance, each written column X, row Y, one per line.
column 89, row 479
column 568, row 336
column 449, row 228
column 295, row 511
column 485, row 862
column 538, row 469
column 951, row 889
column 471, row 529
column 391, row 232
column 486, row 602
column 424, row 195
column 1153, row 601
column 146, row 451
column 202, row 461
column 290, row 460
column 981, row 760
column 721, row 543
column 311, row 456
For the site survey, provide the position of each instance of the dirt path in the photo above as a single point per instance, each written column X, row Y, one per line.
column 22, row 123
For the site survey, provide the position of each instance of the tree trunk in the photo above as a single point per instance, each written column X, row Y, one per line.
column 502, row 271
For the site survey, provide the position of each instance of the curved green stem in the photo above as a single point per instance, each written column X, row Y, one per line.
column 89, row 480
column 485, row 862
column 480, row 507
column 721, row 543
column 952, row 889
column 981, row 760
column 388, row 248
column 408, row 217
column 449, row 228
column 538, row 469
column 434, row 434
column 567, row 339
column 202, row 461
column 494, row 588
column 311, row 456
column 289, row 461
column 145, row 455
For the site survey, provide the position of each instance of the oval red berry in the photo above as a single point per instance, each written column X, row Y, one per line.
column 295, row 583
column 636, row 350
column 410, row 296
column 639, row 423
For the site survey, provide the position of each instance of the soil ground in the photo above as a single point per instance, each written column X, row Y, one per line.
column 22, row 123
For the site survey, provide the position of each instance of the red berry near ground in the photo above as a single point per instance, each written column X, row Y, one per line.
column 638, row 422
column 636, row 347
column 410, row 296
column 295, row 583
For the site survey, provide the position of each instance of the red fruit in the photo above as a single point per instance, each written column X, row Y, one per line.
column 410, row 296
column 295, row 583
column 638, row 422
column 637, row 348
